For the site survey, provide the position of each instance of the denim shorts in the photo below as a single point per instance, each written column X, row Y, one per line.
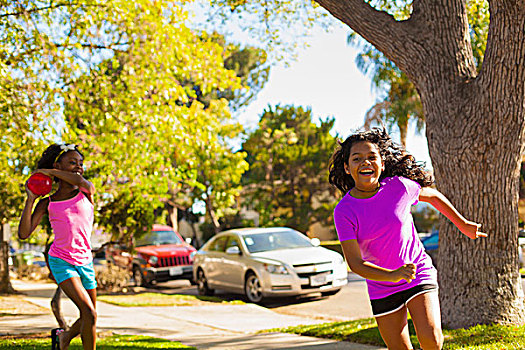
column 62, row 271
column 394, row 302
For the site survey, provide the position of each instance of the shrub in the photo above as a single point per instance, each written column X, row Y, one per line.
column 32, row 272
column 112, row 278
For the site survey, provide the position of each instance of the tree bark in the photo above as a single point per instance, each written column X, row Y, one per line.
column 173, row 219
column 211, row 213
column 5, row 282
column 475, row 127
column 403, row 131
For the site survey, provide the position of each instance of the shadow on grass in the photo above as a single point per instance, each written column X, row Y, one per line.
column 161, row 299
column 363, row 331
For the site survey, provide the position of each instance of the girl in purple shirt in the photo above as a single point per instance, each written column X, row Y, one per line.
column 70, row 211
column 380, row 181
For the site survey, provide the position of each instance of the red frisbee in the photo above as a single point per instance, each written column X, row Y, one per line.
column 39, row 184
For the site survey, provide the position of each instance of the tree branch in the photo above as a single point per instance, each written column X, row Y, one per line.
column 37, row 9
column 434, row 39
column 389, row 36
column 45, row 8
column 505, row 44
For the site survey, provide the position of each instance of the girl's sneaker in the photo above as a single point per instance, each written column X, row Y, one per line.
column 55, row 343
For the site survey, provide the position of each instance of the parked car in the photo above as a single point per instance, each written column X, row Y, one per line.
column 267, row 262
column 521, row 249
column 431, row 245
column 160, row 255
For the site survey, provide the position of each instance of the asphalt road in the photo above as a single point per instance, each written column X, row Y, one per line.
column 349, row 304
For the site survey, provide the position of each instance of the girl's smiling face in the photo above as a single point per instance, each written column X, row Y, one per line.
column 365, row 165
column 71, row 161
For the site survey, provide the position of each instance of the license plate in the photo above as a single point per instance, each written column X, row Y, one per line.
column 175, row 271
column 319, row 280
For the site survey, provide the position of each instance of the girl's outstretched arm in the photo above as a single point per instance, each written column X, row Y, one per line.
column 373, row 272
column 443, row 205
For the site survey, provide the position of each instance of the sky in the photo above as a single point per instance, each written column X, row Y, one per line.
column 325, row 77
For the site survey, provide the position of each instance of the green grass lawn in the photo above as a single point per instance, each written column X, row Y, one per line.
column 365, row 331
column 115, row 342
column 158, row 299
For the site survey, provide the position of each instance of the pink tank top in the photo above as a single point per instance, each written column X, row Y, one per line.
column 72, row 223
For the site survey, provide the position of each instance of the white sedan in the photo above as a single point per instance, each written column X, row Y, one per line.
column 267, row 262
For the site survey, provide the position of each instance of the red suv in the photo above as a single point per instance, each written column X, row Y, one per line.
column 161, row 255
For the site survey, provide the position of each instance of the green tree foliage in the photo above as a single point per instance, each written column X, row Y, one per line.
column 152, row 114
column 280, row 27
column 217, row 168
column 287, row 183
column 123, row 80
column 24, row 106
column 250, row 66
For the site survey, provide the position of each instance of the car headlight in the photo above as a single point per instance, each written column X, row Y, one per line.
column 192, row 255
column 153, row 260
column 276, row 269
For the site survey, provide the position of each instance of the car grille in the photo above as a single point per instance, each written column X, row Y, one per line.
column 307, row 271
column 174, row 261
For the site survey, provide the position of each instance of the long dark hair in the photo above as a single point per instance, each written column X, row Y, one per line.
column 395, row 158
column 52, row 154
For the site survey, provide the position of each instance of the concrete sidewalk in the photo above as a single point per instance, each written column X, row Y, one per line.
column 204, row 327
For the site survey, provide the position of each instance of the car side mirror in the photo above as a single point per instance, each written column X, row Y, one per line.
column 233, row 250
column 316, row 242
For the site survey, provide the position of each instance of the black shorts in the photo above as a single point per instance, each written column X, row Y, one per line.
column 394, row 302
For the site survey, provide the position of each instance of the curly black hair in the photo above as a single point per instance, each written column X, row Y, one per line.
column 395, row 158
column 49, row 156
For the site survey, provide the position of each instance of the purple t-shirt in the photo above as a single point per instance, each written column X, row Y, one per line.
column 385, row 232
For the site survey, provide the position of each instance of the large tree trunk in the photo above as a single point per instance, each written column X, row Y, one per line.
column 475, row 128
column 5, row 281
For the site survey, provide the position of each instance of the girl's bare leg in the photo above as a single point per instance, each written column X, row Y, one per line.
column 426, row 315
column 394, row 330
column 86, row 324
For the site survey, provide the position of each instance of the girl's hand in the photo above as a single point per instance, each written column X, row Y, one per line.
column 406, row 272
column 471, row 230
column 30, row 195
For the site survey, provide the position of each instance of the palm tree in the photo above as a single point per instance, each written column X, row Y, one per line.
column 401, row 103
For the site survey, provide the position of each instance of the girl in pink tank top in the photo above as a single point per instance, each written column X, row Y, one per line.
column 70, row 211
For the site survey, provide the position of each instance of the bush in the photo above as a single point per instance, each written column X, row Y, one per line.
column 32, row 272
column 112, row 278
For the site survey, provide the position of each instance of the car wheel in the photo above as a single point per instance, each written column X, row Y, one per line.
column 253, row 288
column 202, row 284
column 138, row 277
column 332, row 292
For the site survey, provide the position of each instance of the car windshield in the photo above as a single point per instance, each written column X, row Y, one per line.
column 262, row 242
column 159, row 238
